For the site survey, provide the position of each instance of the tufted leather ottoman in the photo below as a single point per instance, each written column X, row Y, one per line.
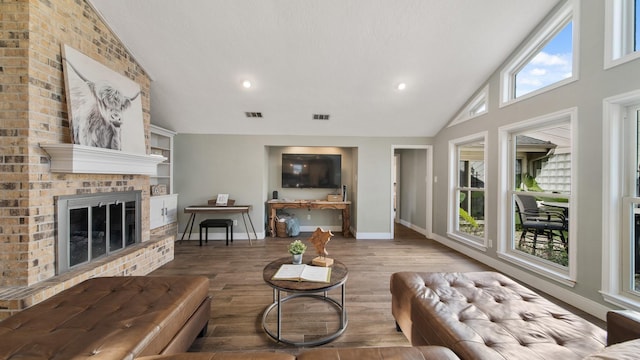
column 369, row 353
column 485, row 315
column 110, row 318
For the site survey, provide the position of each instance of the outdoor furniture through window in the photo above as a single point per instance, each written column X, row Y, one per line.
column 540, row 221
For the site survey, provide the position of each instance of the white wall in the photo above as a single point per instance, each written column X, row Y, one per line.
column 205, row 165
column 413, row 188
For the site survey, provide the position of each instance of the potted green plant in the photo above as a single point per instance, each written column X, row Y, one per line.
column 297, row 248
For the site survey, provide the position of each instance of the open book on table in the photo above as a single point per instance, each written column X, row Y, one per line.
column 303, row 273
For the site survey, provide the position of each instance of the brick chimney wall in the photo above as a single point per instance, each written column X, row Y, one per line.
column 33, row 110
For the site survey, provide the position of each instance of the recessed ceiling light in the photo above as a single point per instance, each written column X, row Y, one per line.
column 401, row 86
column 246, row 84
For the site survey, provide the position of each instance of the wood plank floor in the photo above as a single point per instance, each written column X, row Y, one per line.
column 240, row 295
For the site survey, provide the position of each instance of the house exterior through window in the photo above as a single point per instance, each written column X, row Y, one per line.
column 468, row 190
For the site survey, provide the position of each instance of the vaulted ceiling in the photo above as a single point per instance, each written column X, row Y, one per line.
column 342, row 58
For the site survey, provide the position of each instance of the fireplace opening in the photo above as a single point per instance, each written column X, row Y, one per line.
column 91, row 227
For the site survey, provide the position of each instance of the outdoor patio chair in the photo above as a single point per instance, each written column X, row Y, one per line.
column 539, row 220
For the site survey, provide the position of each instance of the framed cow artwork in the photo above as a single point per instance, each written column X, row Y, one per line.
column 105, row 108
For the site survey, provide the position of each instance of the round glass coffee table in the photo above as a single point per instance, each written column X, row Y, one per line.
column 307, row 289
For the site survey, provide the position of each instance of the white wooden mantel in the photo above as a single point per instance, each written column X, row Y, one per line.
column 80, row 159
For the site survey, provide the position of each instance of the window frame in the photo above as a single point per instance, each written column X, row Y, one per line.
column 480, row 243
column 568, row 12
column 506, row 251
column 468, row 112
column 619, row 33
column 615, row 187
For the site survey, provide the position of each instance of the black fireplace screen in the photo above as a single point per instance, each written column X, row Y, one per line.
column 95, row 226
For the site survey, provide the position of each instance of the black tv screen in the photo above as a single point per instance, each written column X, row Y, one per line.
column 311, row 171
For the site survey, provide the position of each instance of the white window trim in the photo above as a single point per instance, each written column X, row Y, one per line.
column 618, row 30
column 558, row 273
column 476, row 242
column 569, row 11
column 467, row 114
column 612, row 191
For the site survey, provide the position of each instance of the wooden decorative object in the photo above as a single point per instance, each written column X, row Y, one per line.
column 322, row 261
column 319, row 239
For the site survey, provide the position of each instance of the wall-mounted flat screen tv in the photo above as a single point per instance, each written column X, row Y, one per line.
column 311, row 171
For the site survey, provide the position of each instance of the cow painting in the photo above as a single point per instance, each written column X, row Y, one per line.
column 98, row 107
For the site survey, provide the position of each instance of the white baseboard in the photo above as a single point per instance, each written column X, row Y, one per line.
column 587, row 305
column 413, row 227
column 373, row 236
column 312, row 228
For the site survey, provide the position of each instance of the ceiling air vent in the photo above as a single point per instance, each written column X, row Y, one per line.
column 253, row 114
column 320, row 116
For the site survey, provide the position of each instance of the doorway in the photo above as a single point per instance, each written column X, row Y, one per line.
column 411, row 188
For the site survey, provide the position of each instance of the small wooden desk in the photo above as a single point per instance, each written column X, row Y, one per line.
column 210, row 209
column 345, row 206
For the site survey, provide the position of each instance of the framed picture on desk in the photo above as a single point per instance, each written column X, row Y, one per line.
column 222, row 199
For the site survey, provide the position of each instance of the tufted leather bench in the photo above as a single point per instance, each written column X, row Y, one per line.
column 485, row 315
column 111, row 318
column 374, row 353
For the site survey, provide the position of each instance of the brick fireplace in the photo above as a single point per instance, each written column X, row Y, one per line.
column 34, row 112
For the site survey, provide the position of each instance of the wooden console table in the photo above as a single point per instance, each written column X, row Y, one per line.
column 273, row 205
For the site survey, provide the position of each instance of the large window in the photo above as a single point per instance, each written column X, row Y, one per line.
column 467, row 198
column 547, row 60
column 622, row 38
column 537, row 204
column 621, row 195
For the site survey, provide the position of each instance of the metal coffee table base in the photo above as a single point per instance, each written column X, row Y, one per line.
column 278, row 300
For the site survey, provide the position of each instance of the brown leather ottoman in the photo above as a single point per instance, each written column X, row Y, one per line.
column 485, row 315
column 245, row 355
column 380, row 353
column 111, row 318
column 373, row 353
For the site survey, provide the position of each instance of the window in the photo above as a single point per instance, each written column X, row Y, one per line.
column 622, row 38
column 621, row 195
column 636, row 19
column 551, row 65
column 476, row 107
column 631, row 205
column 546, row 61
column 467, row 198
column 536, row 209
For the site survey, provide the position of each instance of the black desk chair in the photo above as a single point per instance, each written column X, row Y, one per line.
column 214, row 223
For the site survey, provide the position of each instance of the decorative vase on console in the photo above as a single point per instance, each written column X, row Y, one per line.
column 297, row 249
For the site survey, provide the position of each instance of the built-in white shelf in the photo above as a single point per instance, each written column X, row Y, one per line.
column 161, row 143
column 81, row 159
